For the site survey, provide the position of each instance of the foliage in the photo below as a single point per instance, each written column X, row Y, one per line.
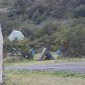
column 18, row 47
column 55, row 24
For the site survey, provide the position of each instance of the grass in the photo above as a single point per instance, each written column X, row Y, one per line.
column 68, row 74
column 15, row 61
column 24, row 77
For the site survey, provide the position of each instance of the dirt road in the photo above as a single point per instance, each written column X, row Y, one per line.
column 73, row 67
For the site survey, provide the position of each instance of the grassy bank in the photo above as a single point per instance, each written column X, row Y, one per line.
column 16, row 61
column 25, row 77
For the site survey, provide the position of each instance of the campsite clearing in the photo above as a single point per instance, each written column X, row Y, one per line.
column 26, row 77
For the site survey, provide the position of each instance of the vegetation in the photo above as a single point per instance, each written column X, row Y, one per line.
column 18, row 61
column 40, row 78
column 55, row 24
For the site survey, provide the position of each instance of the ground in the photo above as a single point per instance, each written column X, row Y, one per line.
column 24, row 77
column 28, row 73
column 73, row 67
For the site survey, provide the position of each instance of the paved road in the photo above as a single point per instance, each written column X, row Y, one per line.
column 73, row 67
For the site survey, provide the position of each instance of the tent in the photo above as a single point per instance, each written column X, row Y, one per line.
column 16, row 35
column 58, row 52
column 46, row 55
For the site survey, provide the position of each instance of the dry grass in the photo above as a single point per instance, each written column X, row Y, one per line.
column 45, row 80
column 33, row 78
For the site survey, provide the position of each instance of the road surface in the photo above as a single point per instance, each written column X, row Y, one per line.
column 72, row 67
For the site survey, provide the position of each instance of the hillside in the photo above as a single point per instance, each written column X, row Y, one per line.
column 38, row 10
column 48, row 23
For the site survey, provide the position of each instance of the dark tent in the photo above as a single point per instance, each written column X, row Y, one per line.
column 46, row 55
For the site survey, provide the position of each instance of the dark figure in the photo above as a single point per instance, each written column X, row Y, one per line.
column 47, row 57
column 27, row 55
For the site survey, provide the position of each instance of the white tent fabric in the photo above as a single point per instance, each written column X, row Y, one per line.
column 16, row 35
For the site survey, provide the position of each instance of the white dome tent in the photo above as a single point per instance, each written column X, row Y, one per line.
column 16, row 35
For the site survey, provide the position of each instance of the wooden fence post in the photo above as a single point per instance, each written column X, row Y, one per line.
column 1, row 56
